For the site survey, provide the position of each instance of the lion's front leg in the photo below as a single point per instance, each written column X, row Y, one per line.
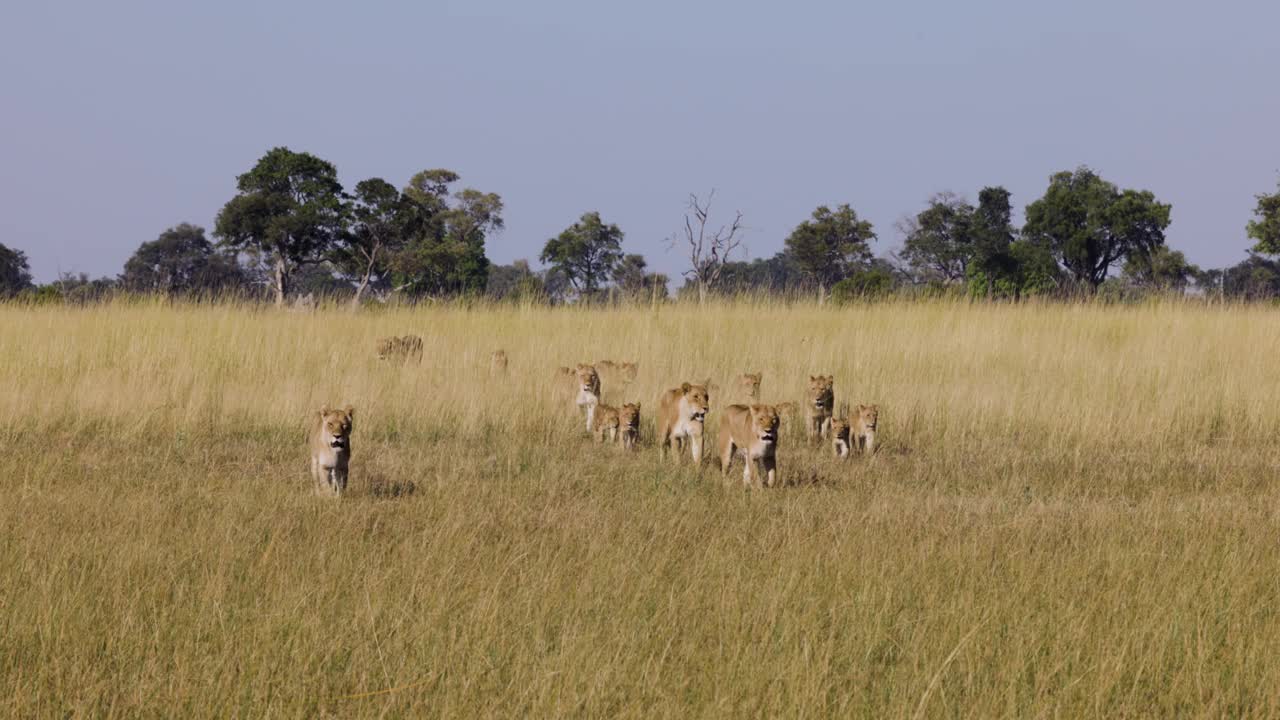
column 770, row 465
column 695, row 448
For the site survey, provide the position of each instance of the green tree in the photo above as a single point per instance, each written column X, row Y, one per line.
column 831, row 245
column 634, row 279
column 586, row 252
column 1162, row 269
column 1266, row 228
column 444, row 252
column 377, row 233
column 939, row 242
column 288, row 212
column 1090, row 224
column 181, row 261
column 15, row 272
column 516, row 281
column 875, row 281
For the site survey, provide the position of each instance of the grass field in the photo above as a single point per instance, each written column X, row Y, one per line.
column 1074, row 512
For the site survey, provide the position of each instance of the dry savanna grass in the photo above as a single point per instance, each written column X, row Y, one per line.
column 1073, row 512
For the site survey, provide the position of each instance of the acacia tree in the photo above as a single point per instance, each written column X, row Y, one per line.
column 1090, row 224
column 289, row 211
column 181, row 260
column 708, row 250
column 586, row 252
column 831, row 245
column 15, row 272
column 1266, row 228
column 377, row 232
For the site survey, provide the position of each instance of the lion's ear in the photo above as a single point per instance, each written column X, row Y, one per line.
column 350, row 411
column 813, row 379
column 637, row 407
column 324, row 410
column 684, row 387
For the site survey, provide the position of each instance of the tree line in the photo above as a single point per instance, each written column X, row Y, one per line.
column 292, row 230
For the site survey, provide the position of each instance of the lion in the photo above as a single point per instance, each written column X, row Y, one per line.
column 818, row 400
column 606, row 423
column 629, row 419
column 498, row 362
column 682, row 412
column 840, row 436
column 588, row 397
column 401, row 349
column 748, row 385
column 753, row 430
column 331, row 449
column 863, row 431
column 623, row 372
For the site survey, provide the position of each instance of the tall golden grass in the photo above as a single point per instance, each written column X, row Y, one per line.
column 1073, row 512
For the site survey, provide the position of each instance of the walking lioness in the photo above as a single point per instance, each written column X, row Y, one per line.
column 752, row 429
column 682, row 412
column 400, row 349
column 820, row 397
column 588, row 397
column 331, row 449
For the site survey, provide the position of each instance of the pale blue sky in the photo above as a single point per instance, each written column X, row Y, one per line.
column 118, row 120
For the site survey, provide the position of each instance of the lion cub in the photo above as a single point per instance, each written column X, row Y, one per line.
column 629, row 419
column 588, row 397
column 682, row 412
column 607, row 422
column 748, row 385
column 401, row 349
column 819, row 398
column 840, row 436
column 331, row 449
column 753, row 430
column 864, row 427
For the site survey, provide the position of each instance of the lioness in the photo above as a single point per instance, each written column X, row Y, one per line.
column 498, row 362
column 749, row 385
column 588, row 381
column 401, row 349
column 819, row 400
column 682, row 412
column 606, row 422
column 629, row 419
column 753, row 429
column 623, row 372
column 840, row 436
column 331, row 449
column 864, row 427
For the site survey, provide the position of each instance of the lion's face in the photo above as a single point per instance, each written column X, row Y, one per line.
column 820, row 393
column 335, row 425
column 868, row 416
column 749, row 384
column 697, row 400
column 499, row 358
column 840, row 428
column 629, row 415
column 588, row 379
column 630, row 370
column 385, row 347
column 764, row 423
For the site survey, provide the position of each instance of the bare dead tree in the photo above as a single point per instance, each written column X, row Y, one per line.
column 708, row 250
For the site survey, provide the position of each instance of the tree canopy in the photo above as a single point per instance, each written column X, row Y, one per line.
column 586, row 252
column 289, row 211
column 181, row 261
column 1090, row 225
column 15, row 272
column 831, row 245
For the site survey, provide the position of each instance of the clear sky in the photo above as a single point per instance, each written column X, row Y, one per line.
column 120, row 119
